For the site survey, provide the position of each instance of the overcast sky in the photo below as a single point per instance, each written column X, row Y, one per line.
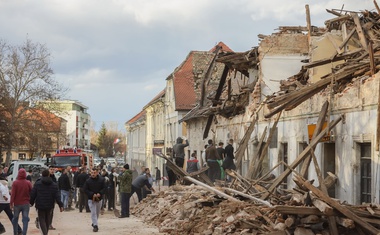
column 115, row 55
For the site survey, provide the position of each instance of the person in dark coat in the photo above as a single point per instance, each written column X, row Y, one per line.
column 111, row 189
column 179, row 151
column 52, row 176
column 44, row 194
column 95, row 187
column 82, row 177
column 158, row 176
column 228, row 162
column 64, row 186
column 212, row 158
column 140, row 182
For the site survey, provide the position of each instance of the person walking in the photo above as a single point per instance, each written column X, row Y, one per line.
column 192, row 163
column 171, row 175
column 64, row 186
column 212, row 158
column 95, row 188
column 20, row 196
column 44, row 195
column 71, row 191
column 125, row 187
column 179, row 151
column 54, row 179
column 5, row 204
column 139, row 183
column 228, row 162
column 221, row 153
column 29, row 176
column 111, row 189
column 83, row 199
column 158, row 177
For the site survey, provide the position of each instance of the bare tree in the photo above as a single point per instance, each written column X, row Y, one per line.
column 25, row 78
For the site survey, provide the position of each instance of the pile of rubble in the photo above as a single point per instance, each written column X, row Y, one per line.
column 195, row 209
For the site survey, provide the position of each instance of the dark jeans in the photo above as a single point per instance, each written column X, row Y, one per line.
column 172, row 177
column 111, row 198
column 7, row 209
column 24, row 209
column 213, row 170
column 44, row 217
column 83, row 199
column 138, row 192
column 124, row 198
column 179, row 161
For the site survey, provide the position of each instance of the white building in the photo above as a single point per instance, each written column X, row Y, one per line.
column 78, row 123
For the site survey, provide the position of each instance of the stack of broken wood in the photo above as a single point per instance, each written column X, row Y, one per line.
column 363, row 31
column 257, row 206
column 199, row 209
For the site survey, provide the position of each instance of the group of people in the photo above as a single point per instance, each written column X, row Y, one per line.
column 92, row 189
column 218, row 159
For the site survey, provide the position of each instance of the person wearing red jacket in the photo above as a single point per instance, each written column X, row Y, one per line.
column 20, row 197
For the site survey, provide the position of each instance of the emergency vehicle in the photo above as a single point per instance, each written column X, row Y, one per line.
column 71, row 157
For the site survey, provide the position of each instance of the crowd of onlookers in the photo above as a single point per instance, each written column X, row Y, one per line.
column 90, row 190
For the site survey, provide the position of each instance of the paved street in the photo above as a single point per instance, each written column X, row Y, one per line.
column 73, row 222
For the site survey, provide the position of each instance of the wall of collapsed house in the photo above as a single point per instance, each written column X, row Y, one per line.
column 341, row 152
column 349, row 149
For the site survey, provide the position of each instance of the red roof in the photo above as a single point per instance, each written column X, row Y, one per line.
column 137, row 117
column 183, row 81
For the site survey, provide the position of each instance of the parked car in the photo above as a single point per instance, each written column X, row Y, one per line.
column 96, row 161
column 36, row 167
column 111, row 161
column 120, row 161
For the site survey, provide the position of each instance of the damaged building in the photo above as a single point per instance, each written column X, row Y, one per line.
column 289, row 78
column 303, row 110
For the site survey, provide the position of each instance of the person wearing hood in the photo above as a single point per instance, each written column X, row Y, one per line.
column 4, row 203
column 20, row 197
column 179, row 151
column 44, row 194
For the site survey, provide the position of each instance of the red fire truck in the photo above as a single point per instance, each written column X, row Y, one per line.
column 71, row 157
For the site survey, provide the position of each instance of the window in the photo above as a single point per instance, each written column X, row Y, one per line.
column 365, row 173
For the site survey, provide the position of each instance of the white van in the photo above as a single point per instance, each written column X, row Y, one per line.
column 36, row 167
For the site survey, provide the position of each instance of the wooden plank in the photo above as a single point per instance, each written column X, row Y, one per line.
column 255, row 170
column 377, row 6
column 217, row 96
column 299, row 210
column 318, row 129
column 345, row 211
column 244, row 142
column 331, row 59
column 211, row 189
column 298, row 160
column 345, row 41
column 337, row 19
column 331, row 219
column 308, row 24
column 359, row 30
column 248, row 196
column 371, row 59
column 333, row 42
column 258, row 152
